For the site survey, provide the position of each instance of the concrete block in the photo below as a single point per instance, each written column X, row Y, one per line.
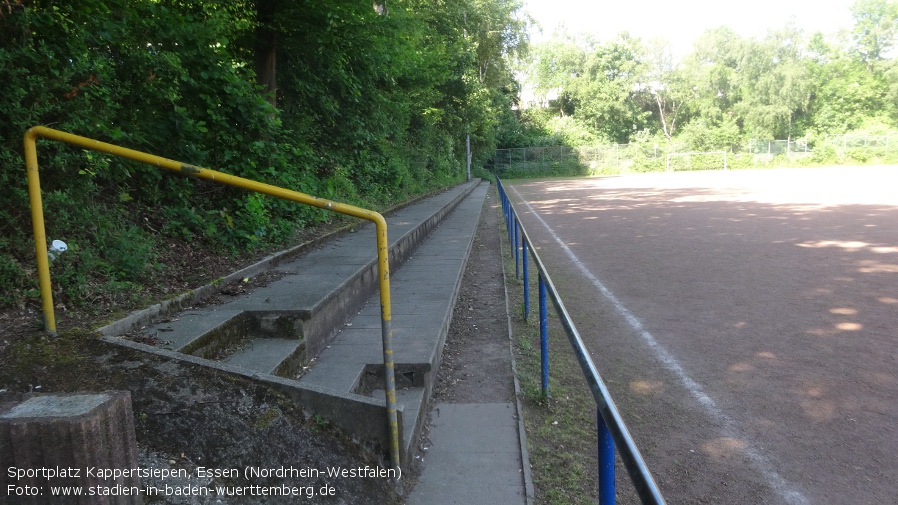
column 62, row 441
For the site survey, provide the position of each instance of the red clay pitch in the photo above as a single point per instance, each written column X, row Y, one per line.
column 745, row 322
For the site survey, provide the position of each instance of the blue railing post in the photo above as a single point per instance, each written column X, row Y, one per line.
column 526, row 282
column 544, row 335
column 511, row 230
column 639, row 474
column 606, row 462
column 506, row 206
column 517, row 249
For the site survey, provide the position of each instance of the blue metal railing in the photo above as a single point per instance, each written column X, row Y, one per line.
column 611, row 428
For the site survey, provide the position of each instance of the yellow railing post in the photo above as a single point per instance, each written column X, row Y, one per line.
column 40, row 234
column 383, row 260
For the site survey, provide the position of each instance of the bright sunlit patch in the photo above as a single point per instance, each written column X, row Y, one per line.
column 847, row 326
column 724, row 447
column 741, row 367
column 814, row 392
column 853, row 245
column 875, row 267
column 888, row 299
column 766, row 355
column 643, row 387
column 819, row 410
column 843, row 311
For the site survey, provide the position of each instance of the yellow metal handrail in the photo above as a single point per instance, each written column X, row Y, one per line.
column 383, row 260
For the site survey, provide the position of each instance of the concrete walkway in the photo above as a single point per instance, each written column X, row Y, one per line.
column 475, row 457
column 474, row 450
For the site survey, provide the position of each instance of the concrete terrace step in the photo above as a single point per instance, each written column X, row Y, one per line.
column 318, row 293
column 324, row 313
column 269, row 355
column 424, row 292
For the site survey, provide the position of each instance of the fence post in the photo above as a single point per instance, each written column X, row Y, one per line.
column 544, row 335
column 606, row 462
column 526, row 282
column 468, row 154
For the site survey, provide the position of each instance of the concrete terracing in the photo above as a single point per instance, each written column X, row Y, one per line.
column 316, row 331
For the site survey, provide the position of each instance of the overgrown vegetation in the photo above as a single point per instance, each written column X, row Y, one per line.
column 336, row 99
column 729, row 90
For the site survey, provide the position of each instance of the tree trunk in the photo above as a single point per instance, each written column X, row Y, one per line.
column 664, row 128
column 266, row 49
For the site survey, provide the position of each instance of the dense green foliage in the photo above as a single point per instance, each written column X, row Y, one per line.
column 729, row 89
column 371, row 106
column 359, row 104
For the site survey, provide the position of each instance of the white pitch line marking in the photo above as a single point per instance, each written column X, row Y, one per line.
column 774, row 479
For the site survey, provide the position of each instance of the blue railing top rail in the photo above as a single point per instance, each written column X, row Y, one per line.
column 633, row 461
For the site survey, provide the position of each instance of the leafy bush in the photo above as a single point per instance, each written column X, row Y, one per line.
column 702, row 135
column 824, row 154
column 15, row 283
column 859, row 154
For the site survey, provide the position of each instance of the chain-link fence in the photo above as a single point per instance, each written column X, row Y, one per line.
column 533, row 159
column 617, row 155
column 645, row 157
column 592, row 160
column 854, row 140
column 775, row 147
column 564, row 159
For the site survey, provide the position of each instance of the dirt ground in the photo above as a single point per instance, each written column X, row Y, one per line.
column 744, row 322
column 476, row 366
column 189, row 416
column 185, row 416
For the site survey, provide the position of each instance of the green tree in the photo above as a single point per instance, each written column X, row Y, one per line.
column 845, row 92
column 605, row 90
column 595, row 83
column 665, row 84
column 714, row 68
column 875, row 28
column 554, row 66
column 776, row 88
column 891, row 101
